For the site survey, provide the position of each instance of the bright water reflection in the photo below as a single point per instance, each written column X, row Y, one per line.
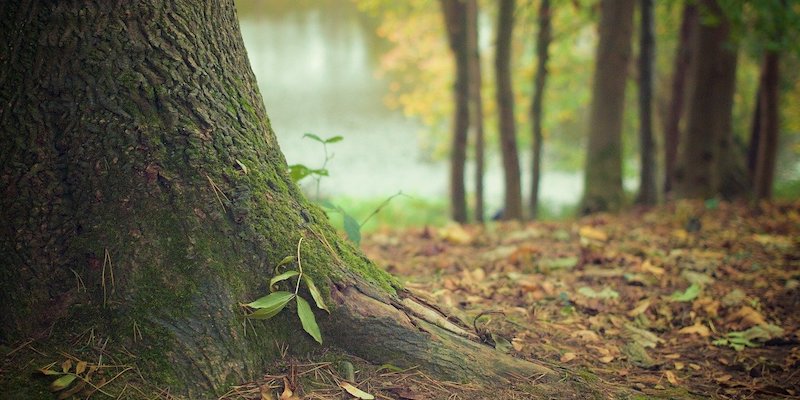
column 315, row 62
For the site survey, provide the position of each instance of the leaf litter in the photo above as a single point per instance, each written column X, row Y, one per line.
column 683, row 298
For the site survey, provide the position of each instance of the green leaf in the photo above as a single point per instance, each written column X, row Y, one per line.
column 501, row 343
column 282, row 277
column 62, row 382
column 286, row 260
column 298, row 172
column 689, row 294
column 356, row 392
column 313, row 137
column 270, row 305
column 352, row 229
column 319, row 171
column 307, row 319
column 316, row 294
column 606, row 293
column 334, row 139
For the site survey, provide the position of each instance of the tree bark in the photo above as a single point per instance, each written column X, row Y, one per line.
column 603, row 176
column 683, row 59
column 648, row 193
column 769, row 93
column 476, row 104
column 455, row 18
column 143, row 190
column 505, row 107
column 543, row 40
column 707, row 161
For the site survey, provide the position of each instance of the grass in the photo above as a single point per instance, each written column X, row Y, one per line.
column 410, row 211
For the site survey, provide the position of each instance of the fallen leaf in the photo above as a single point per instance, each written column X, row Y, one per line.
column 749, row 316
column 356, row 392
column 606, row 359
column 671, row 377
column 591, row 233
column 640, row 308
column 586, row 335
column 647, row 266
column 605, row 294
column 698, row 328
column 688, row 295
column 568, row 356
column 679, row 365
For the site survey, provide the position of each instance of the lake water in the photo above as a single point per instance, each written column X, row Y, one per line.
column 316, row 64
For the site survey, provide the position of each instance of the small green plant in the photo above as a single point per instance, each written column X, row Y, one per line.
column 273, row 303
column 300, row 171
column 352, row 228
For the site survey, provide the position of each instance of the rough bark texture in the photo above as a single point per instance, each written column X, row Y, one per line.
column 648, row 192
column 455, row 18
column 512, row 208
column 768, row 126
column 603, row 177
column 543, row 39
column 143, row 191
column 476, row 104
column 683, row 59
column 706, row 161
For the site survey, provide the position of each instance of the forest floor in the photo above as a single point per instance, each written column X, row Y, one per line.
column 686, row 300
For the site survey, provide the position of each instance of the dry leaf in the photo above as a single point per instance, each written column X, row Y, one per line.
column 568, row 356
column 647, row 266
column 671, row 377
column 749, row 316
column 723, row 378
column 517, row 344
column 586, row 335
column 592, row 233
column 640, row 308
column 356, row 392
column 679, row 365
column 606, row 359
column 673, row 356
column 266, row 393
column 697, row 328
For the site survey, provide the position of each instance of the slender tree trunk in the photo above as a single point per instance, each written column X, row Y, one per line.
column 683, row 59
column 755, row 129
column 543, row 40
column 455, row 17
column 476, row 104
column 648, row 192
column 706, row 160
column 768, row 126
column 505, row 106
column 144, row 197
column 603, row 177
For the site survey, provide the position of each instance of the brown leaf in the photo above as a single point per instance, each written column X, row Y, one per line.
column 671, row 377
column 697, row 328
column 568, row 356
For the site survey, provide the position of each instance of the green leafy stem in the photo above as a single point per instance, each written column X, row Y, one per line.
column 270, row 305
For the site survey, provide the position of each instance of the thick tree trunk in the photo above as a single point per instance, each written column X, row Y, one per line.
column 512, row 208
column 683, row 59
column 706, row 160
column 768, row 126
column 603, row 177
column 455, row 18
column 543, row 40
column 648, row 193
column 476, row 104
column 144, row 197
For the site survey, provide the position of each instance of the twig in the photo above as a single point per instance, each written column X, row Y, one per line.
column 299, row 266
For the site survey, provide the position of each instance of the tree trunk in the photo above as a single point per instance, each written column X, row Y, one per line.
column 512, row 208
column 683, row 59
column 648, row 193
column 476, row 104
column 768, row 126
column 143, row 191
column 455, row 18
column 706, row 159
column 543, row 40
column 603, row 177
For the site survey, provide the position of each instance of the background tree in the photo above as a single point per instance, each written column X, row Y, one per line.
column 476, row 103
column 672, row 122
column 603, row 174
column 648, row 192
column 543, row 39
column 138, row 160
column 455, row 18
column 705, row 148
column 512, row 208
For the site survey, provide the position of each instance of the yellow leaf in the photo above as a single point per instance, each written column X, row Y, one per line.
column 606, row 359
column 66, row 365
column 679, row 365
column 586, row 335
column 80, row 367
column 640, row 308
column 647, row 266
column 287, row 393
column 517, row 344
column 697, row 328
column 591, row 233
column 568, row 356
column 455, row 234
column 749, row 316
column 356, row 392
column 671, row 377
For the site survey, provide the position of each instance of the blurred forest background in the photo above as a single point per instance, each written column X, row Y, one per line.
column 399, row 81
